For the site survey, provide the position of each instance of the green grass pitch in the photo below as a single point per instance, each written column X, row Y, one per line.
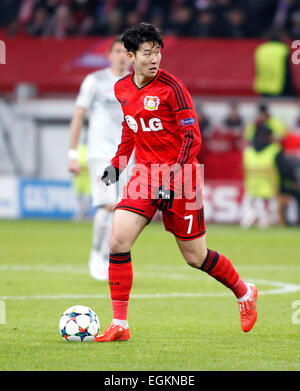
column 180, row 318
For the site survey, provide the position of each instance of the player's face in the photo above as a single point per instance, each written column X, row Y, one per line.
column 118, row 57
column 146, row 60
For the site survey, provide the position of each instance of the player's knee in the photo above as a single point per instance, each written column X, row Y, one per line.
column 195, row 259
column 118, row 244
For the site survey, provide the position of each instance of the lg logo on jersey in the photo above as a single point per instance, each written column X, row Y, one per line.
column 154, row 124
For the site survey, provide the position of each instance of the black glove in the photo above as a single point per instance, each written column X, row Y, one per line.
column 110, row 175
column 164, row 198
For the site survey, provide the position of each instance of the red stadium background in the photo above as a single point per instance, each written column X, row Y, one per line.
column 212, row 69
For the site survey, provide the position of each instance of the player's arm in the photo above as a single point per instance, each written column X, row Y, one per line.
column 182, row 107
column 75, row 129
column 166, row 192
column 187, row 122
column 83, row 103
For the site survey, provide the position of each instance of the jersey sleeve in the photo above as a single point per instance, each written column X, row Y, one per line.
column 86, row 93
column 182, row 106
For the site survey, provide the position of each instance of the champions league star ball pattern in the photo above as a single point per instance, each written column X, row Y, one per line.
column 79, row 324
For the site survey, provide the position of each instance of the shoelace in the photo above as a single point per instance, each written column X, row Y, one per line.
column 244, row 307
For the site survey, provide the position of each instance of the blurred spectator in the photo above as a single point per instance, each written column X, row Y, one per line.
column 289, row 170
column 205, row 126
column 264, row 117
column 158, row 20
column 199, row 18
column 26, row 12
column 203, row 120
column 260, row 15
column 233, row 120
column 272, row 66
column 227, row 135
column 221, row 149
column 204, row 4
column 84, row 12
column 261, row 180
column 225, row 5
column 159, row 8
column 132, row 18
column 295, row 25
column 206, row 25
column 236, row 24
column 124, row 5
column 112, row 24
column 282, row 12
column 234, row 127
column 181, row 22
column 61, row 24
column 229, row 19
column 36, row 27
column 9, row 10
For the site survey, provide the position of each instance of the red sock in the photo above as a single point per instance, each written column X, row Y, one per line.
column 120, row 283
column 219, row 267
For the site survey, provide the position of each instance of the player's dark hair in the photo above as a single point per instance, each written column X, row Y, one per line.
column 144, row 32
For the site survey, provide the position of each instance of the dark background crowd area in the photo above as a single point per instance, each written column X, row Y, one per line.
column 183, row 18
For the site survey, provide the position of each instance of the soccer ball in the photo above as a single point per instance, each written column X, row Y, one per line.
column 79, row 324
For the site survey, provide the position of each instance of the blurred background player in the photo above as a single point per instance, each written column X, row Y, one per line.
column 265, row 117
column 96, row 97
column 272, row 66
column 261, row 180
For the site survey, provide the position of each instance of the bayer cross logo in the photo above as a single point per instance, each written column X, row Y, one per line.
column 151, row 103
column 2, row 53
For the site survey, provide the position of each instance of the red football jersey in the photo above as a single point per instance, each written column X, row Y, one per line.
column 160, row 122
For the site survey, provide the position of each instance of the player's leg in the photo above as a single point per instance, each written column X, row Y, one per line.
column 273, row 211
column 220, row 267
column 248, row 213
column 126, row 228
column 263, row 215
column 101, row 229
column 188, row 227
column 214, row 263
column 105, row 250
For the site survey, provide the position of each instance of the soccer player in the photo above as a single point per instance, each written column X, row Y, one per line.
column 160, row 122
column 96, row 98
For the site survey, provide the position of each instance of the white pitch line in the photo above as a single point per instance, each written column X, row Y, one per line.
column 84, row 270
column 282, row 287
column 76, row 269
column 45, row 268
column 279, row 287
column 280, row 268
column 162, row 271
